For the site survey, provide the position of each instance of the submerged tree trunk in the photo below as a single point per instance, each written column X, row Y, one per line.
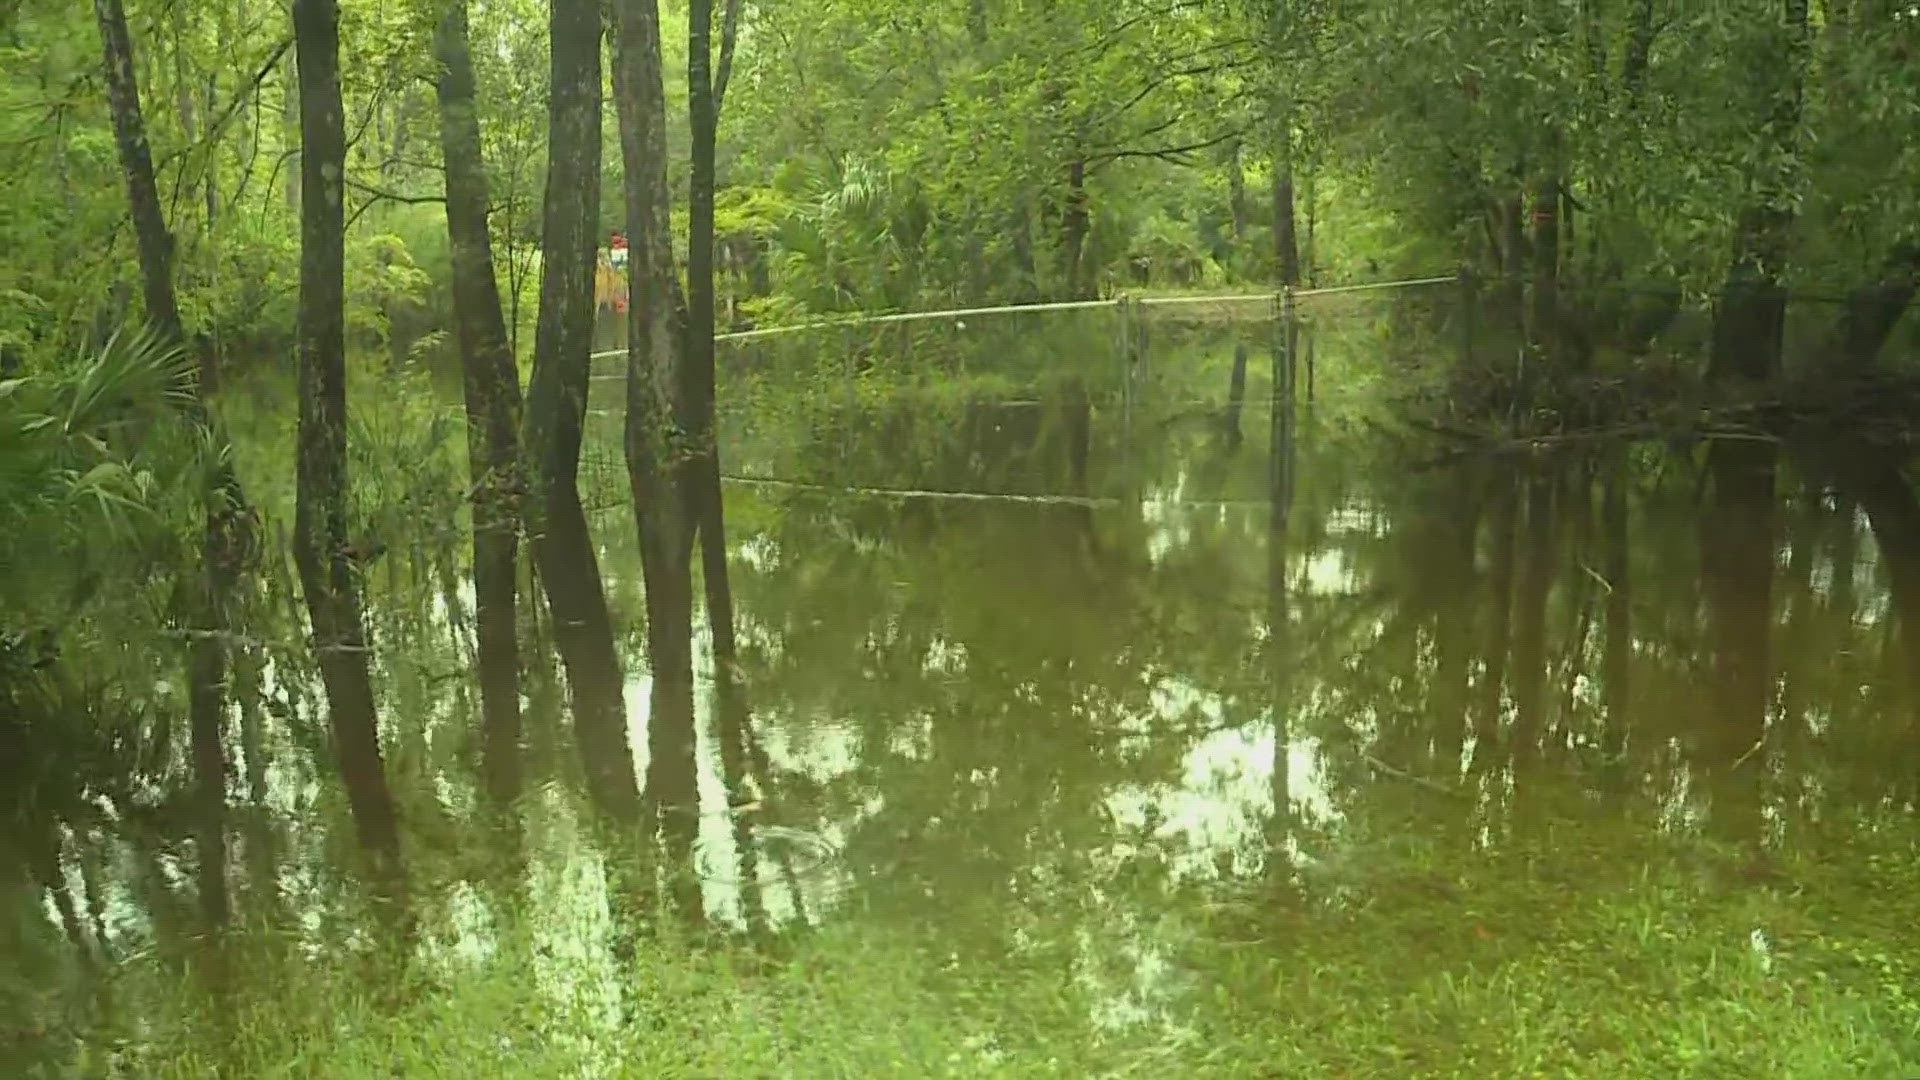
column 1736, row 558
column 1236, row 394
column 1530, row 625
column 1493, row 673
column 492, row 391
column 1873, row 476
column 661, row 469
column 1279, row 651
column 557, row 406
column 705, row 92
column 1616, row 670
column 1451, row 629
column 1873, row 310
column 328, row 576
column 222, row 536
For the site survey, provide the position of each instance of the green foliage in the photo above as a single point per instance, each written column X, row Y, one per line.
column 88, row 456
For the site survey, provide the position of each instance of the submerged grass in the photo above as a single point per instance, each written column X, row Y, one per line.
column 1525, row 962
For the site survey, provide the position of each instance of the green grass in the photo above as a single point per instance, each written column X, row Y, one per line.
column 1522, row 963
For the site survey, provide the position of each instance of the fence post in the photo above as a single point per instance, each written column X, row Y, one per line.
column 1290, row 314
column 1469, row 304
column 1289, row 330
column 1280, row 404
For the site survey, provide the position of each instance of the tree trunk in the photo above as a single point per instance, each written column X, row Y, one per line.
column 660, row 468
column 1616, row 670
column 1075, row 224
column 1873, row 476
column 1530, row 625
column 557, row 406
column 1873, row 310
column 328, row 577
column 1285, row 242
column 1546, row 266
column 1640, row 31
column 703, row 113
column 1487, row 713
column 492, row 391
column 1279, row 652
column 1750, row 316
column 290, row 129
column 735, row 718
column 222, row 535
column 1736, row 558
column 1452, row 648
column 1237, row 197
column 1236, row 394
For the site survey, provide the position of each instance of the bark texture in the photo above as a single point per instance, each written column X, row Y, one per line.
column 492, row 391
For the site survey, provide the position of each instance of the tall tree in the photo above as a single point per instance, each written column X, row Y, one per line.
column 706, row 91
column 222, row 538
column 662, row 468
column 557, row 407
column 492, row 391
column 328, row 576
column 1286, row 244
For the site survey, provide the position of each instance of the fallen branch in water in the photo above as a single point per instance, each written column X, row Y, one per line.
column 1434, row 786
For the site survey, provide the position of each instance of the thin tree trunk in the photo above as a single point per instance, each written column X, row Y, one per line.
column 222, row 538
column 660, row 469
column 1237, row 198
column 1530, row 625
column 1486, row 737
column 1451, row 630
column 1279, row 651
column 1075, row 225
column 1546, row 266
column 328, row 577
column 734, row 720
column 1236, row 394
column 492, row 391
column 1285, row 238
column 1736, row 555
column 1616, row 690
column 704, row 98
column 1873, row 477
column 557, row 405
column 290, row 129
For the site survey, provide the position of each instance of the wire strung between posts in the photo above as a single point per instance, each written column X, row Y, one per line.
column 1097, row 502
column 921, row 493
column 1063, row 305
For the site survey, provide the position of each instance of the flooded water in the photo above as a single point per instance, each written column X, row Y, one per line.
column 1064, row 671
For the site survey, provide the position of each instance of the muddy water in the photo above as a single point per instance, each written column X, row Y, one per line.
column 1055, row 667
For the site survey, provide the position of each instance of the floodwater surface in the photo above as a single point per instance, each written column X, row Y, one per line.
column 1101, row 680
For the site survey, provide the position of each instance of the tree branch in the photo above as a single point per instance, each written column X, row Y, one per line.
column 382, row 195
column 1172, row 154
column 378, row 195
column 729, row 33
column 240, row 97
